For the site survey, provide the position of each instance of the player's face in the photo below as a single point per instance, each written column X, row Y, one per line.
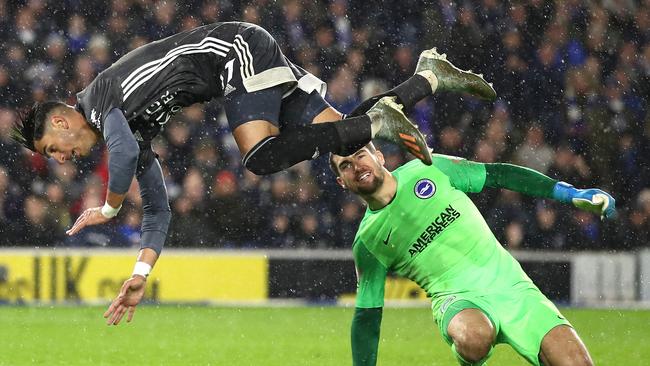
column 62, row 142
column 362, row 172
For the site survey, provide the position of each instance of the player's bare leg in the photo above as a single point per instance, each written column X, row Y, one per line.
column 473, row 335
column 390, row 123
column 562, row 346
column 444, row 76
column 328, row 114
column 250, row 133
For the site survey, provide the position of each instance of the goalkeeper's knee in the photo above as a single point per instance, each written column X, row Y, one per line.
column 463, row 362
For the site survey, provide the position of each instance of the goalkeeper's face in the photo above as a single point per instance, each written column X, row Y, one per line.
column 362, row 172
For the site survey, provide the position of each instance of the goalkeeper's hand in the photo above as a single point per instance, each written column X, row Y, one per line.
column 592, row 199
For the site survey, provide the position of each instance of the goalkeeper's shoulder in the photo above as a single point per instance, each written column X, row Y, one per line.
column 438, row 160
column 444, row 157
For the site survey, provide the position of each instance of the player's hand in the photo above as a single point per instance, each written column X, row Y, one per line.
column 596, row 201
column 593, row 200
column 92, row 216
column 129, row 297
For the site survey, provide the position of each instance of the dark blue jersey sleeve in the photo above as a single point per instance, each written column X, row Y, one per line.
column 155, row 205
column 123, row 151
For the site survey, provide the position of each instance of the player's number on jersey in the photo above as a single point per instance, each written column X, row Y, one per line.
column 228, row 67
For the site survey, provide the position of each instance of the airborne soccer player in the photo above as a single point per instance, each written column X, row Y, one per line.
column 421, row 225
column 275, row 110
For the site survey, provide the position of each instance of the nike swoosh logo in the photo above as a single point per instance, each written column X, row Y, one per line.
column 388, row 237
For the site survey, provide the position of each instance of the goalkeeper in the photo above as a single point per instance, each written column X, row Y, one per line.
column 421, row 225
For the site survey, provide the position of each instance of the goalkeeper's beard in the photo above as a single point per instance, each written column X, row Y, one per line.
column 377, row 182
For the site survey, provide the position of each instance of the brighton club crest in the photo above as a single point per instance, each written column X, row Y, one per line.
column 424, row 188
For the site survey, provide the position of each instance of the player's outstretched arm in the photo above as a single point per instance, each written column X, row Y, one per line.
column 123, row 154
column 533, row 183
column 471, row 176
column 155, row 224
column 132, row 290
column 365, row 336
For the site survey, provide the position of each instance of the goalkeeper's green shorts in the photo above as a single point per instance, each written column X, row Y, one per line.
column 521, row 316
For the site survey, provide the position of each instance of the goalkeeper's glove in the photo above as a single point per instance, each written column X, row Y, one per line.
column 592, row 199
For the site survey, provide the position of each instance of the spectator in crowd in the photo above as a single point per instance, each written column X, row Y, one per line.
column 346, row 223
column 232, row 215
column 57, row 208
column 547, row 233
column 12, row 156
column 129, row 228
column 77, row 34
column 584, row 232
column 206, row 160
column 636, row 233
column 280, row 233
column 10, row 208
column 341, row 93
column 187, row 226
column 514, row 235
column 309, row 234
column 534, row 152
column 195, row 196
column 509, row 207
column 570, row 166
column 39, row 228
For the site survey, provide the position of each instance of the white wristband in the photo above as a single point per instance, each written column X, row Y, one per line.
column 142, row 269
column 109, row 212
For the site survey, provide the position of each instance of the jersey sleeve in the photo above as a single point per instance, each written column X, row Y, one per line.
column 123, row 152
column 97, row 100
column 371, row 277
column 464, row 175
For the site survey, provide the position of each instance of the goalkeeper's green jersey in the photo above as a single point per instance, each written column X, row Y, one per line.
column 433, row 234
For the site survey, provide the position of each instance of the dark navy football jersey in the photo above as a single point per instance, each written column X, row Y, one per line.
column 153, row 82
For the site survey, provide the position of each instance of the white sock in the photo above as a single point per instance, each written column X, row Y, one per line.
column 433, row 79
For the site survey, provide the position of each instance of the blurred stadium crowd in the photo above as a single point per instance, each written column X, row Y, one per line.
column 573, row 79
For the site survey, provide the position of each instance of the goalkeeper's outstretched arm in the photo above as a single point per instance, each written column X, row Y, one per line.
column 470, row 176
column 533, row 183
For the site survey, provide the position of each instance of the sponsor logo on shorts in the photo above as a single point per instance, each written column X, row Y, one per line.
column 446, row 304
column 436, row 227
column 424, row 188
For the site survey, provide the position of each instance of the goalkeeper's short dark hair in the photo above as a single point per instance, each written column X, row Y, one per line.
column 30, row 125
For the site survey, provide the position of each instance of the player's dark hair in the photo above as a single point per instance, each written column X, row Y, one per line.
column 30, row 124
column 335, row 169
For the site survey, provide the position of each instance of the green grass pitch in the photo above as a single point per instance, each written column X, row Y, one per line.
column 184, row 335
